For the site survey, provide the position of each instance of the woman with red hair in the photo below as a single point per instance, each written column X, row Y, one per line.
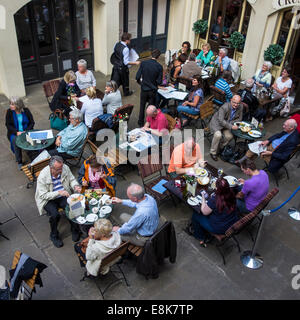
column 218, row 214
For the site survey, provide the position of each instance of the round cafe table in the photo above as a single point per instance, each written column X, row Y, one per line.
column 23, row 144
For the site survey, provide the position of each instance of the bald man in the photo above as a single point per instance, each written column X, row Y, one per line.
column 139, row 227
column 222, row 123
column 157, row 122
column 279, row 146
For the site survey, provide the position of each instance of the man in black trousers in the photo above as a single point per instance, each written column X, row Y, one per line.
column 150, row 77
column 120, row 61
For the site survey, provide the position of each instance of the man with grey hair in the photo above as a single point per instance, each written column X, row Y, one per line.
column 190, row 68
column 144, row 222
column 222, row 60
column 70, row 141
column 54, row 185
column 250, row 103
column 84, row 77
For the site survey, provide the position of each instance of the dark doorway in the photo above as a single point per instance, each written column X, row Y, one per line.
column 52, row 36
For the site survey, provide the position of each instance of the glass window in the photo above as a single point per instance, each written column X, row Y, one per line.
column 147, row 18
column 63, row 25
column 41, row 17
column 82, row 20
column 133, row 17
column 285, row 27
column 161, row 16
column 22, row 23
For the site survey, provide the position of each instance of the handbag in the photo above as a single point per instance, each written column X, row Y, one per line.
column 58, row 121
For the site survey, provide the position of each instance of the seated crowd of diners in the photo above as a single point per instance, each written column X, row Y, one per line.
column 56, row 182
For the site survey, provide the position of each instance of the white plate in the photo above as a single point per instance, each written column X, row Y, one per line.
column 193, row 201
column 81, row 220
column 93, row 202
column 254, row 133
column 105, row 210
column 231, row 180
column 92, row 217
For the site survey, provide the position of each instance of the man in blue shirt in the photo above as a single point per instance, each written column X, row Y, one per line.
column 144, row 222
column 222, row 60
column 120, row 61
column 279, row 146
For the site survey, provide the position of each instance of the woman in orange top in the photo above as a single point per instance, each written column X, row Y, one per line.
column 184, row 157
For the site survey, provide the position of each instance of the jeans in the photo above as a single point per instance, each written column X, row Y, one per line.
column 18, row 151
column 202, row 226
column 187, row 109
column 241, row 206
column 64, row 155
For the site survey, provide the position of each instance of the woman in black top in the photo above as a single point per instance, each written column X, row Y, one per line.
column 62, row 96
column 18, row 120
column 218, row 214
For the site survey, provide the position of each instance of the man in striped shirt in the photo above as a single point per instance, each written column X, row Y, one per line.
column 223, row 85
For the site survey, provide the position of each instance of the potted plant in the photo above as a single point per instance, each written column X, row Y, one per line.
column 274, row 53
column 200, row 27
column 237, row 40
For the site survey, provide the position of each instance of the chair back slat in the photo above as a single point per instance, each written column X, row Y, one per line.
column 171, row 122
column 206, row 110
column 186, row 81
column 149, row 165
column 112, row 256
column 39, row 166
column 50, row 87
column 218, row 94
column 127, row 108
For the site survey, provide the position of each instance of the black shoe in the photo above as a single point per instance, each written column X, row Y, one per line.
column 56, row 241
column 75, row 236
column 214, row 156
column 129, row 93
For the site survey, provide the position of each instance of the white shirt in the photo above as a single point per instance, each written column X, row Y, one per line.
column 91, row 109
column 281, row 85
column 85, row 80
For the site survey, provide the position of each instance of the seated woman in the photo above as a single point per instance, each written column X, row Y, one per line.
column 222, row 84
column 101, row 241
column 281, row 89
column 218, row 214
column 85, row 78
column 67, row 87
column 18, row 119
column 92, row 106
column 176, row 68
column 112, row 98
column 185, row 49
column 93, row 175
column 263, row 77
column 194, row 102
column 204, row 57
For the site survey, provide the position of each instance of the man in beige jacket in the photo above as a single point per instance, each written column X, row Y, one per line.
column 54, row 185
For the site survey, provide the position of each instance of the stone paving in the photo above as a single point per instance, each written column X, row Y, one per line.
column 197, row 274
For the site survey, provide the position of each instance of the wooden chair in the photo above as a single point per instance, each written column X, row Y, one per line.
column 32, row 171
column 186, row 81
column 50, row 87
column 275, row 175
column 218, row 94
column 171, row 122
column 241, row 224
column 75, row 161
column 111, row 260
column 150, row 169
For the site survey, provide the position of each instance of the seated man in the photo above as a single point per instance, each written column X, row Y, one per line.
column 279, row 146
column 54, row 185
column 70, row 141
column 184, row 157
column 222, row 123
column 222, row 84
column 156, row 121
column 251, row 101
column 191, row 68
column 222, row 60
column 253, row 190
column 139, row 227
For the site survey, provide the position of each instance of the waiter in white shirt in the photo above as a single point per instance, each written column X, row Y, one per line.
column 120, row 61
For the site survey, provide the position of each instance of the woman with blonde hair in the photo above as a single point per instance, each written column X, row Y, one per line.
column 92, row 106
column 66, row 89
column 18, row 120
column 204, row 57
column 101, row 241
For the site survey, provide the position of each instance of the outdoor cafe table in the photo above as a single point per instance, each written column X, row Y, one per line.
column 23, row 144
column 171, row 187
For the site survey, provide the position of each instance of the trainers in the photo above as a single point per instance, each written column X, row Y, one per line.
column 56, row 241
column 75, row 236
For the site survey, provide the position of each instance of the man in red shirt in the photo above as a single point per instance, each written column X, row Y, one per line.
column 156, row 123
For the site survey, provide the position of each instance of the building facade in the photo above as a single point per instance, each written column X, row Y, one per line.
column 42, row 39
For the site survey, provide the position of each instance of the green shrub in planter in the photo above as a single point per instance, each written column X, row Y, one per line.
column 274, row 53
column 200, row 26
column 237, row 40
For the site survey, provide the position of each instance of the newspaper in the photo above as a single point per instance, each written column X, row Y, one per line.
column 256, row 147
column 133, row 56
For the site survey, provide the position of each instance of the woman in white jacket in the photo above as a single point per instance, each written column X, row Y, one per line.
column 101, row 241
